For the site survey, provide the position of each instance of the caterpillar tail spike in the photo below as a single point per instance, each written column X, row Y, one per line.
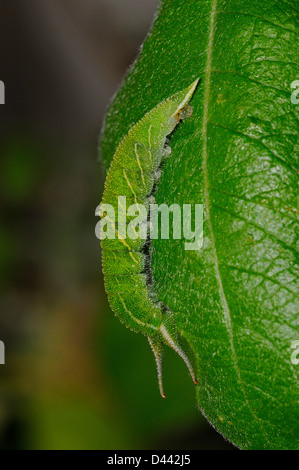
column 175, row 346
column 157, row 348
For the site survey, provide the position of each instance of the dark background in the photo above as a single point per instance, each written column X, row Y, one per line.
column 75, row 378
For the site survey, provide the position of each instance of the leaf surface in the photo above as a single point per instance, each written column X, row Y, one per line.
column 236, row 300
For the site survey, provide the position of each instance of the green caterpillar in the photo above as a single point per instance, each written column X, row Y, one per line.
column 133, row 174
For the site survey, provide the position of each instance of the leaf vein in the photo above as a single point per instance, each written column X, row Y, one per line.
column 226, row 310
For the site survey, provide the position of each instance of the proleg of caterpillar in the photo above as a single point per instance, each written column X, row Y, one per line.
column 173, row 344
column 157, row 175
column 186, row 112
column 157, row 348
column 167, row 151
column 151, row 199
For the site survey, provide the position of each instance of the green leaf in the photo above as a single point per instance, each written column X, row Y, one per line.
column 235, row 301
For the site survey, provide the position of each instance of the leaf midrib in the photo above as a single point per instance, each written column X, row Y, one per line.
column 207, row 203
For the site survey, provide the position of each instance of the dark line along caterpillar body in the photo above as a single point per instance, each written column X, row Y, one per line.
column 126, row 262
